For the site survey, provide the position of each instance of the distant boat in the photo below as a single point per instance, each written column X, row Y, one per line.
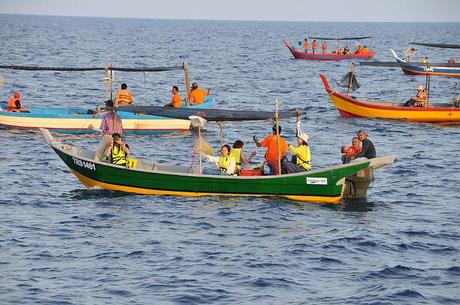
column 348, row 106
column 80, row 120
column 433, row 69
column 301, row 54
column 152, row 178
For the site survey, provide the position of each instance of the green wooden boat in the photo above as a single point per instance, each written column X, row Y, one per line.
column 151, row 178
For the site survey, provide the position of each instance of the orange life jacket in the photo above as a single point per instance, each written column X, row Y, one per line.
column 14, row 104
column 124, row 97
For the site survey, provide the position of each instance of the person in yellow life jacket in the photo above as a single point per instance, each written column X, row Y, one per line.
column 301, row 160
column 124, row 96
column 176, row 100
column 420, row 99
column 118, row 150
column 225, row 162
column 306, row 46
column 324, row 47
column 197, row 95
column 237, row 153
column 15, row 104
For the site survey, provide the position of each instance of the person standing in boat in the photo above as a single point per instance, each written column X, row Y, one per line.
column 306, row 45
column 271, row 143
column 301, row 160
column 420, row 99
column 324, row 47
column 314, row 46
column 225, row 162
column 176, row 101
column 197, row 95
column 350, row 151
column 110, row 124
column 237, row 153
column 124, row 96
column 367, row 147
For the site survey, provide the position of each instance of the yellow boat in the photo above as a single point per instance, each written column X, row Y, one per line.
column 446, row 113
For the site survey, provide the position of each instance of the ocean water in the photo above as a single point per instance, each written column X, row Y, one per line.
column 63, row 244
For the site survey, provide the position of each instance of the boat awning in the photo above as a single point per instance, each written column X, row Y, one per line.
column 397, row 64
column 216, row 115
column 437, row 45
column 74, row 69
column 341, row 38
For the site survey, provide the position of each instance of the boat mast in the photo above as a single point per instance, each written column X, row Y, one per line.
column 277, row 137
column 187, row 82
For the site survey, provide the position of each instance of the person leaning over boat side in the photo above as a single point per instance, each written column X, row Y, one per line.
column 176, row 101
column 324, row 47
column 271, row 143
column 306, row 45
column 15, row 104
column 111, row 123
column 301, row 160
column 225, row 162
column 118, row 150
column 124, row 96
column 349, row 151
column 197, row 95
column 237, row 153
column 367, row 147
column 314, row 46
column 420, row 99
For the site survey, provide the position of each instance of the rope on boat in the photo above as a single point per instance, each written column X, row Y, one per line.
column 77, row 69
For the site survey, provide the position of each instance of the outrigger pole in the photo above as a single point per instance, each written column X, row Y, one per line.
column 187, row 82
column 277, row 137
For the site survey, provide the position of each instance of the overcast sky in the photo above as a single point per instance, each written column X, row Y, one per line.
column 277, row 10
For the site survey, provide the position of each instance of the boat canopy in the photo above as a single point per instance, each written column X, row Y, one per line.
column 125, row 69
column 341, row 38
column 437, row 45
column 397, row 64
column 215, row 115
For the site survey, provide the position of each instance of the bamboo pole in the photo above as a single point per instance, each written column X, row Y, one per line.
column 277, row 137
column 187, row 82
column 199, row 149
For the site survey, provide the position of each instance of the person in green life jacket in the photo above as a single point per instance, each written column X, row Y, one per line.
column 237, row 153
column 301, row 160
column 118, row 150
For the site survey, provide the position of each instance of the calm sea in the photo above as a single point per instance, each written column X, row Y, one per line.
column 63, row 244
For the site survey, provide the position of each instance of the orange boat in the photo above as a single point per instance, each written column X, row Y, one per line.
column 348, row 106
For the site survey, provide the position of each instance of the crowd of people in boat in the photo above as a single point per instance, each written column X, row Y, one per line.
column 324, row 47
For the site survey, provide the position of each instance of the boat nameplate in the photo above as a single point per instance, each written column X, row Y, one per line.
column 84, row 164
column 316, row 181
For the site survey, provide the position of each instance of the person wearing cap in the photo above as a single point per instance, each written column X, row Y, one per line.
column 301, row 159
column 367, row 147
column 350, row 151
column 420, row 99
column 111, row 123
column 124, row 96
column 176, row 101
column 271, row 143
column 197, row 95
column 15, row 104
column 118, row 150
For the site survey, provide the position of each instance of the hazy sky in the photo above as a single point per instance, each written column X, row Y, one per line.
column 279, row 10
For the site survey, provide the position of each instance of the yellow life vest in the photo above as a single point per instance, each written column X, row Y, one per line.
column 224, row 162
column 236, row 154
column 118, row 155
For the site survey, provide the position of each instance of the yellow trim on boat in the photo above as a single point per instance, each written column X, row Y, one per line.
column 89, row 183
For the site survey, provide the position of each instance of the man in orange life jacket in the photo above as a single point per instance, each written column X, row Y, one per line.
column 197, row 95
column 176, row 101
column 124, row 96
column 15, row 104
column 420, row 99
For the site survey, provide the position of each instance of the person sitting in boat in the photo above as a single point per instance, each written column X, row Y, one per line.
column 420, row 99
column 339, row 51
column 111, row 123
column 346, row 50
column 124, row 96
column 349, row 152
column 176, row 100
column 225, row 163
column 358, row 49
column 324, row 47
column 425, row 60
column 273, row 146
column 314, row 46
column 301, row 160
column 452, row 60
column 237, row 153
column 15, row 104
column 197, row 95
column 364, row 50
column 118, row 150
column 367, row 147
column 306, row 45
